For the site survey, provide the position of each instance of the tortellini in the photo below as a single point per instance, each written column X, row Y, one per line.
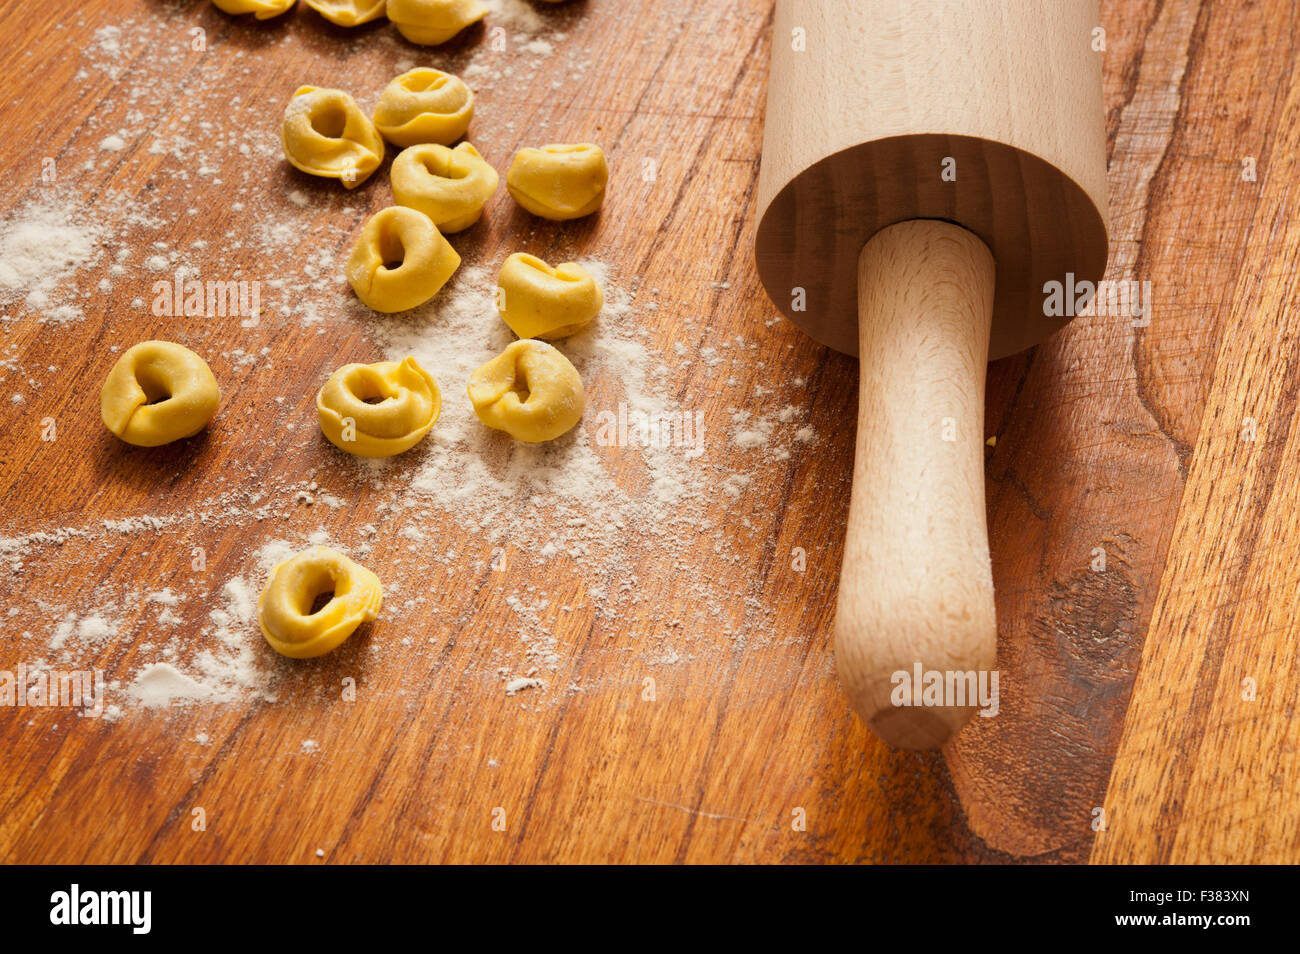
column 559, row 181
column 158, row 392
column 400, row 260
column 326, row 134
column 285, row 608
column 450, row 186
column 424, row 105
column 538, row 301
column 348, row 12
column 378, row 410
column 264, row 9
column 430, row 22
column 530, row 391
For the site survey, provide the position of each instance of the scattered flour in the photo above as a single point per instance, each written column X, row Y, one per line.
column 517, row 15
column 88, row 629
column 42, row 247
column 573, row 496
column 520, row 683
column 159, row 685
column 231, row 667
column 538, row 47
column 595, row 510
column 108, row 41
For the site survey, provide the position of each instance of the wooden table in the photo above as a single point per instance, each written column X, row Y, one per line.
column 1163, row 447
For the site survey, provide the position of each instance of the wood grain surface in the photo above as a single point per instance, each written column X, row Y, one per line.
column 1121, row 687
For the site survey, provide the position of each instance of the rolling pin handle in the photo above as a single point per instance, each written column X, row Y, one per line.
column 916, row 586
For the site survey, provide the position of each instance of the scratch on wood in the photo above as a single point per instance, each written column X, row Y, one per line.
column 692, row 811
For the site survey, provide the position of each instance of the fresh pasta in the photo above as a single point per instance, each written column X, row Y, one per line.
column 400, row 260
column 326, row 134
column 348, row 12
column 287, row 613
column 424, row 105
column 530, row 391
column 378, row 410
column 538, row 301
column 450, row 186
column 559, row 181
column 158, row 392
column 262, row 9
column 430, row 22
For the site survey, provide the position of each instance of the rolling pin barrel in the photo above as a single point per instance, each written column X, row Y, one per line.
column 927, row 169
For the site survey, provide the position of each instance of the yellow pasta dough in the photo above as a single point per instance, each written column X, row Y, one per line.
column 284, row 610
column 378, row 410
column 559, row 181
column 264, row 9
column 538, row 301
column 400, row 260
column 424, row 105
column 430, row 22
column 326, row 134
column 530, row 391
column 450, row 186
column 158, row 392
column 348, row 12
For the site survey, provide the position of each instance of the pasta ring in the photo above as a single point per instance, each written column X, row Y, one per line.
column 378, row 410
column 284, row 610
column 530, row 391
column 348, row 12
column 158, row 392
column 401, row 235
column 559, row 181
column 326, row 134
column 263, row 9
column 430, row 22
column 450, row 186
column 538, row 301
column 424, row 105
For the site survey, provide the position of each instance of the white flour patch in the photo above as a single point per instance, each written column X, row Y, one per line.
column 229, row 668
column 160, row 685
column 93, row 628
column 520, row 683
column 517, row 15
column 566, row 492
column 42, row 247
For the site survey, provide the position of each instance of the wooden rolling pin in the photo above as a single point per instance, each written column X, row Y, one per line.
column 928, row 166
